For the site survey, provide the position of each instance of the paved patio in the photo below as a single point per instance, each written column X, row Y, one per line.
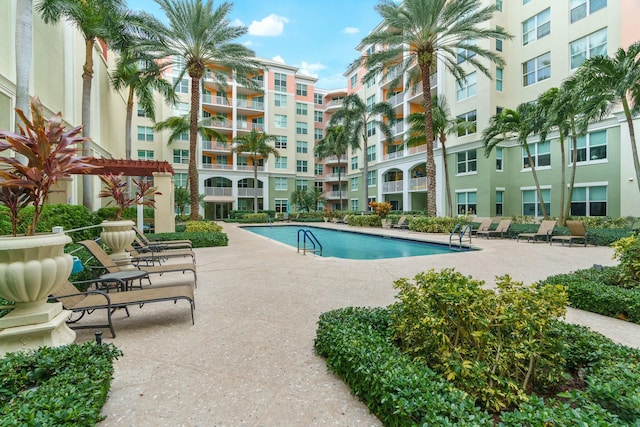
column 249, row 359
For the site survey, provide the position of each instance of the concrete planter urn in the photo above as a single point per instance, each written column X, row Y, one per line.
column 117, row 235
column 31, row 268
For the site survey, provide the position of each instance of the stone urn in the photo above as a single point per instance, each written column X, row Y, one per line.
column 31, row 268
column 117, row 235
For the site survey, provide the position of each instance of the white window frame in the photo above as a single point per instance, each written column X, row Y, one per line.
column 280, row 121
column 371, row 153
column 470, row 117
column 499, row 159
column 301, row 109
column 181, row 155
column 145, row 133
column 468, row 159
column 581, row 49
column 579, row 9
column 467, row 87
column 146, row 155
column 280, row 184
column 589, row 156
column 302, row 147
column 536, row 155
column 536, row 27
column 280, row 82
column 302, row 166
column 354, row 184
column 538, row 67
column 588, row 186
column 467, row 192
column 302, row 128
column 281, row 162
column 546, row 190
column 501, row 191
column 280, row 100
column 372, row 178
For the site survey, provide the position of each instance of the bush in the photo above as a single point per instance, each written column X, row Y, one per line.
column 627, row 251
column 109, row 213
column 67, row 216
column 62, row 386
column 426, row 224
column 198, row 240
column 364, row 221
column 202, row 227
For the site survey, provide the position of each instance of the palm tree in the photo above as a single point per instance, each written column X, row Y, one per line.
column 360, row 119
column 421, row 32
column 140, row 78
column 199, row 36
column 307, row 199
column 179, row 125
column 107, row 20
column 443, row 125
column 519, row 123
column 335, row 143
column 181, row 198
column 616, row 80
column 257, row 145
column 24, row 51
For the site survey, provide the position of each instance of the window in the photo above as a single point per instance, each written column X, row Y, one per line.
column 281, row 205
column 179, row 64
column 371, row 153
column 463, row 53
column 536, row 27
column 302, row 184
column 279, row 100
column 301, row 166
column 499, row 5
column 354, row 81
column 499, row 202
column 354, row 184
column 536, row 69
column 499, row 79
column 181, row 180
column 180, row 109
column 181, row 156
column 525, row 1
column 531, row 203
column 301, row 89
column 371, row 49
column 141, row 111
column 145, row 133
column 301, row 128
column 594, row 44
column 280, row 184
column 466, row 201
column 280, row 121
column 317, row 98
column 317, row 116
column 591, row 147
column 371, row 178
column 499, row 41
column 145, row 155
column 371, row 129
column 317, row 134
column 281, row 162
column 181, row 85
column 467, row 162
column 302, row 146
column 318, row 185
column 301, row 108
column 540, row 153
column 579, row 8
column 589, row 201
column 281, row 141
column 467, row 123
column 354, row 163
column 371, row 101
column 499, row 158
column 354, row 205
column 280, row 82
column 318, row 169
column 466, row 87
column 371, row 82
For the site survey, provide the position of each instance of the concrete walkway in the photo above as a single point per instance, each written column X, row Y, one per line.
column 249, row 359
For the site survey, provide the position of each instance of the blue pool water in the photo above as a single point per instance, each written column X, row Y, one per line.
column 353, row 245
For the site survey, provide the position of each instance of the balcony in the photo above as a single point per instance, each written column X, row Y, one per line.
column 248, row 127
column 249, row 105
column 218, row 191
column 418, row 184
column 334, row 160
column 396, row 99
column 335, row 195
column 334, row 177
column 250, row 192
column 394, row 155
column 249, row 168
column 215, row 100
column 398, row 128
column 334, row 104
column 391, row 75
column 220, row 146
column 418, row 149
column 216, row 166
column 392, row 187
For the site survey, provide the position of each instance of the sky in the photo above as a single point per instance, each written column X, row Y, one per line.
column 317, row 36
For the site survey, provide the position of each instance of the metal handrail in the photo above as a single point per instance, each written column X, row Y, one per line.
column 308, row 234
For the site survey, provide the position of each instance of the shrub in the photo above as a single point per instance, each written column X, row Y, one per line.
column 198, row 240
column 61, row 386
column 494, row 345
column 427, row 224
column 364, row 221
column 627, row 251
column 67, row 216
column 202, row 227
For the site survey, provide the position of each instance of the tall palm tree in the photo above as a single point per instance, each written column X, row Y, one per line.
column 425, row 31
column 519, row 124
column 179, row 125
column 140, row 78
column 360, row 119
column 199, row 36
column 24, row 52
column 443, row 125
column 107, row 20
column 616, row 80
column 335, row 143
column 257, row 145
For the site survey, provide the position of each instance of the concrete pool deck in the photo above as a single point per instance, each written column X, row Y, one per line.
column 249, row 359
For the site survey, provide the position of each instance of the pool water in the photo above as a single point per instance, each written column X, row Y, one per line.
column 353, row 245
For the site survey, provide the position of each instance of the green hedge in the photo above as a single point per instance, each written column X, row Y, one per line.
column 358, row 346
column 364, row 221
column 427, row 224
column 198, row 240
column 67, row 216
column 62, row 386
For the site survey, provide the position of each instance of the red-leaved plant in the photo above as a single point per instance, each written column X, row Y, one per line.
column 48, row 153
column 115, row 186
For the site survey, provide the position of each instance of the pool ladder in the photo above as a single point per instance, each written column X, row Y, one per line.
column 308, row 236
column 460, row 233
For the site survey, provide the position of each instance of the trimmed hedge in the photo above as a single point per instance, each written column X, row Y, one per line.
column 364, row 221
column 67, row 216
column 358, row 346
column 198, row 240
column 62, row 386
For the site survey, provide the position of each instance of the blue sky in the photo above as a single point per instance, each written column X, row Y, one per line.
column 318, row 36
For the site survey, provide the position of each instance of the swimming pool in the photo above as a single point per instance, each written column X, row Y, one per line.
column 353, row 245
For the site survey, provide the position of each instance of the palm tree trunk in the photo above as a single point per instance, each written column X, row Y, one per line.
column 365, row 169
column 255, row 184
column 127, row 125
column 340, row 183
column 563, row 181
column 574, row 162
column 193, row 146
column 537, row 182
column 632, row 139
column 24, row 51
column 87, row 76
column 446, row 177
column 425, row 68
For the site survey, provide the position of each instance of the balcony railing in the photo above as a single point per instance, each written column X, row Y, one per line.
column 215, row 100
column 335, row 195
column 216, row 166
column 392, row 187
column 216, row 146
column 250, row 192
column 395, row 155
column 398, row 128
column 335, row 103
column 419, row 149
column 418, row 184
column 252, row 105
column 392, row 74
column 218, row 191
column 249, row 168
column 334, row 159
column 335, row 177
column 396, row 99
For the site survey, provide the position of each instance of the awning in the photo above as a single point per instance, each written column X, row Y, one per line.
column 129, row 167
column 219, row 199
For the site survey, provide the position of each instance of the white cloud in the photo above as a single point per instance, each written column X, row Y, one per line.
column 278, row 58
column 272, row 25
column 237, row 23
column 351, row 30
column 311, row 69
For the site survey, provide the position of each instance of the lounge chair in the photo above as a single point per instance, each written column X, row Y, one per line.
column 171, row 244
column 89, row 301
column 485, row 225
column 545, row 230
column 110, row 266
column 501, row 229
column 402, row 223
column 153, row 253
column 577, row 231
column 344, row 220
